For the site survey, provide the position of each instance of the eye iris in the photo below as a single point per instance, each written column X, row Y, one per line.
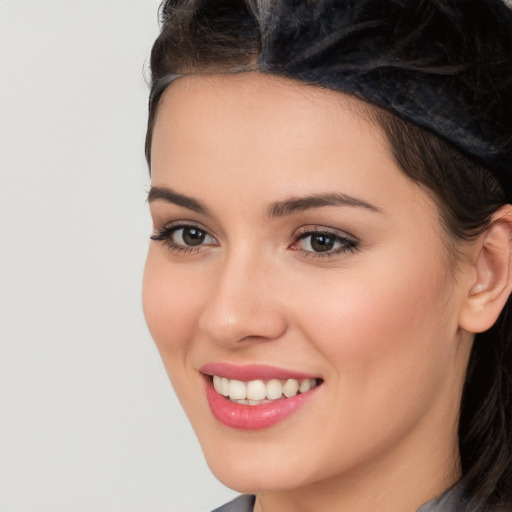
column 322, row 242
column 193, row 236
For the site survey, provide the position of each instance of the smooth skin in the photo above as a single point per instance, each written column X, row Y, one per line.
column 385, row 315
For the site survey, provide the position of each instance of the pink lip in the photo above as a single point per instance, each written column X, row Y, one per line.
column 252, row 417
column 251, row 372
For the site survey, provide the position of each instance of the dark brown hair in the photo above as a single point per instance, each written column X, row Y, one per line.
column 205, row 36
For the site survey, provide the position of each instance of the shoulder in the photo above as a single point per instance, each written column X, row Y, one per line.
column 244, row 503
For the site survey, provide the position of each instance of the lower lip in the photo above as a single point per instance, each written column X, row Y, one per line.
column 253, row 417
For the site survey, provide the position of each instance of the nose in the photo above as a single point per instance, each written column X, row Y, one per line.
column 243, row 304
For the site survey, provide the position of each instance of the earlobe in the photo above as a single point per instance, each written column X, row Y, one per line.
column 492, row 286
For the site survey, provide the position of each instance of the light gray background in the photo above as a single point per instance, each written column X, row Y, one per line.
column 88, row 420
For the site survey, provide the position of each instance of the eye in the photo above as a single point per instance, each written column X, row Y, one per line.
column 324, row 243
column 184, row 237
column 190, row 236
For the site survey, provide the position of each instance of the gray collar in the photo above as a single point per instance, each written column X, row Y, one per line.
column 452, row 500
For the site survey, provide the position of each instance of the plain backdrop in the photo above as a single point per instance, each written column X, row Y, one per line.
column 88, row 419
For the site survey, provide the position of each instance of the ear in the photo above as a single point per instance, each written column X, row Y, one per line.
column 492, row 274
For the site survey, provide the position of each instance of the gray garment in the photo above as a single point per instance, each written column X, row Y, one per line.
column 244, row 503
column 453, row 500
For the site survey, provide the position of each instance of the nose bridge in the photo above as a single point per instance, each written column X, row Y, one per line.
column 243, row 303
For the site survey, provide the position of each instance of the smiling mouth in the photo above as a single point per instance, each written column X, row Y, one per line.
column 258, row 392
column 256, row 397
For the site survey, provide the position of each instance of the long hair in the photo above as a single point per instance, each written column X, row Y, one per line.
column 439, row 76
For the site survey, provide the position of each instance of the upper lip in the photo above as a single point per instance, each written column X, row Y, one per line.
column 248, row 372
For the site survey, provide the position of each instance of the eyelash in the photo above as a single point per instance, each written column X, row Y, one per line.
column 347, row 243
column 165, row 236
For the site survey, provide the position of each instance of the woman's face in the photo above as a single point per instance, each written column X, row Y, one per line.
column 293, row 252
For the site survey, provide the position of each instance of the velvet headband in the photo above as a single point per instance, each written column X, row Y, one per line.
column 445, row 65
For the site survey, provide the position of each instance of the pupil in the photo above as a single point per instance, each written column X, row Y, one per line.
column 322, row 243
column 193, row 236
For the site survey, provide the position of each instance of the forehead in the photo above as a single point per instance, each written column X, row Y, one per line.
column 252, row 120
column 262, row 96
column 256, row 85
column 253, row 137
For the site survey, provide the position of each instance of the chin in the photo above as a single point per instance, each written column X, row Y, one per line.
column 251, row 476
column 264, row 461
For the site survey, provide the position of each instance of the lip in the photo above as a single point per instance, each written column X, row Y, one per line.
column 250, row 372
column 252, row 417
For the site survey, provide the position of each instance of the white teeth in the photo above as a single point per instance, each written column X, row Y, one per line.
column 274, row 389
column 256, row 392
column 306, row 385
column 217, row 384
column 251, row 402
column 224, row 386
column 237, row 390
column 290, row 388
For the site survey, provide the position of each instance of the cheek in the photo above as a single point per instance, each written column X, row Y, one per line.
column 172, row 301
column 384, row 331
column 171, row 298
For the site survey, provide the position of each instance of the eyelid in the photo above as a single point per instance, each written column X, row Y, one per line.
column 176, row 224
column 315, row 228
column 184, row 223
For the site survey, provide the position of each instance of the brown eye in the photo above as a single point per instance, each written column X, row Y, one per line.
column 324, row 242
column 190, row 236
column 184, row 238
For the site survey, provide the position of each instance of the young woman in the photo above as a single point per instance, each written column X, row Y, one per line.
column 329, row 275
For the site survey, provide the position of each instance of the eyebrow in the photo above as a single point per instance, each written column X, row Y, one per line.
column 170, row 196
column 277, row 209
column 298, row 204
